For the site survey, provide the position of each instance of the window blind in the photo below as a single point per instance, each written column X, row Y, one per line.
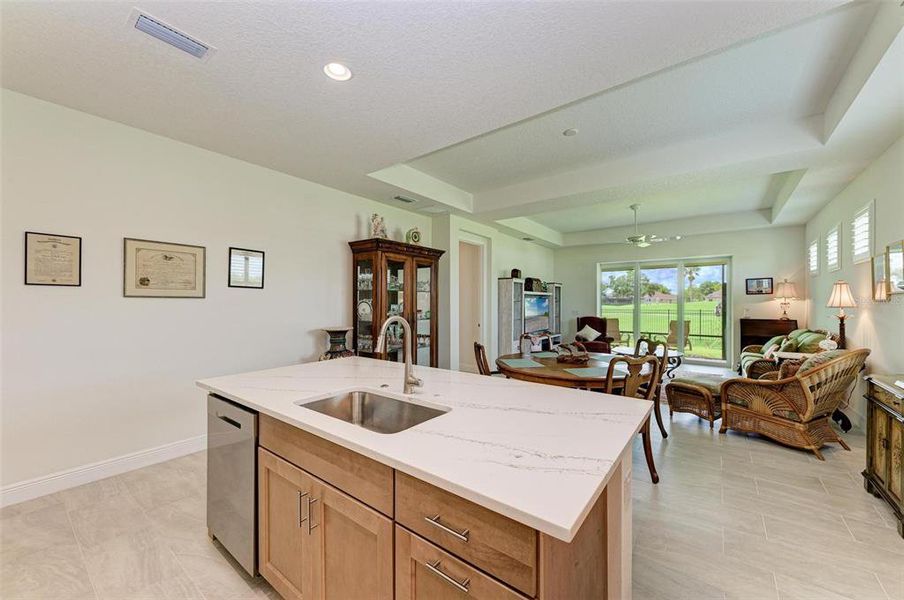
column 813, row 257
column 861, row 234
column 833, row 260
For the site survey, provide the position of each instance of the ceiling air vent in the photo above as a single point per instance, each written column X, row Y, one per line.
column 166, row 33
column 405, row 200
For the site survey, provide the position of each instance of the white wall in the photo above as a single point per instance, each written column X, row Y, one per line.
column 88, row 375
column 770, row 252
column 503, row 253
column 878, row 326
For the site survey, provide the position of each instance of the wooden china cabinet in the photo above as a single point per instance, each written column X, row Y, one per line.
column 393, row 278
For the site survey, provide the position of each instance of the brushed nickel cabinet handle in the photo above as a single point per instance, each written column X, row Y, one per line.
column 461, row 585
column 311, row 526
column 461, row 535
column 301, row 519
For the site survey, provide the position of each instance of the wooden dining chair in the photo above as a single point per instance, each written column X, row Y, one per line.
column 648, row 347
column 638, row 383
column 483, row 365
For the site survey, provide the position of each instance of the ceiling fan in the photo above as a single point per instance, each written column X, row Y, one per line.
column 643, row 240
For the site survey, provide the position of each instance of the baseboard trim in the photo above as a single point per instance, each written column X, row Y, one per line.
column 62, row 480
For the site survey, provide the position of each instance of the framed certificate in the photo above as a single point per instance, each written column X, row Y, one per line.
column 52, row 259
column 163, row 270
column 246, row 268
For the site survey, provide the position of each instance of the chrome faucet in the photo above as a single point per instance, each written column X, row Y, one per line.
column 407, row 350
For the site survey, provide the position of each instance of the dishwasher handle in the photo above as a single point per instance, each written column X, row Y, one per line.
column 232, row 422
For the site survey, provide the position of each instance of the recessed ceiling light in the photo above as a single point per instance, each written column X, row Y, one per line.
column 337, row 71
column 570, row 132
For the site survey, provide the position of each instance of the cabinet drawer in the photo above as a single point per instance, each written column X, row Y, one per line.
column 498, row 545
column 356, row 475
column 886, row 398
column 426, row 572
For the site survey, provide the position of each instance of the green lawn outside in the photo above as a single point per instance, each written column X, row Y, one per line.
column 655, row 319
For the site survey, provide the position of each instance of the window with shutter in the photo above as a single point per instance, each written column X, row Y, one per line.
column 813, row 257
column 862, row 234
column 833, row 244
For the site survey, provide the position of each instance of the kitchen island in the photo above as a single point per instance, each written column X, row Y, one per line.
column 516, row 490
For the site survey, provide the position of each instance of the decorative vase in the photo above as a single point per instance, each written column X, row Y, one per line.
column 377, row 227
column 337, row 341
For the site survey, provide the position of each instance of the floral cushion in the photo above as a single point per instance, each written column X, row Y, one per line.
column 807, row 340
column 789, row 345
column 819, row 359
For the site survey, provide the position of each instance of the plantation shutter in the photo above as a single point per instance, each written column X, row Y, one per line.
column 861, row 234
column 813, row 258
column 833, row 259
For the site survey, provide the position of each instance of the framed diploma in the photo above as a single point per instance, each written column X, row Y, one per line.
column 163, row 270
column 246, row 268
column 52, row 259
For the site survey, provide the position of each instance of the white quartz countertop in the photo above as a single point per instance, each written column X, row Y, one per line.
column 538, row 454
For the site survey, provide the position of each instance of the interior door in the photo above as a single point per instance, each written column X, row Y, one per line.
column 351, row 547
column 283, row 540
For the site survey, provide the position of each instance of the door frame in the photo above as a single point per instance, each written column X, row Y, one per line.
column 679, row 264
column 483, row 245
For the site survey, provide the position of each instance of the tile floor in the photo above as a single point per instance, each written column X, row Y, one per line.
column 733, row 517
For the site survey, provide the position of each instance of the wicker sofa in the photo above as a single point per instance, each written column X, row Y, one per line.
column 753, row 364
column 793, row 410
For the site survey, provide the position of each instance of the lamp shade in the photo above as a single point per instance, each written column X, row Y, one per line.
column 841, row 296
column 786, row 289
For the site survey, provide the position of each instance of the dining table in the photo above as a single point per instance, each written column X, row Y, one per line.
column 543, row 367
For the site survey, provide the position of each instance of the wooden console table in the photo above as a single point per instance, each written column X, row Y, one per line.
column 884, row 473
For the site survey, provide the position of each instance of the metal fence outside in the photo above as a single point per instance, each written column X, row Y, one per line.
column 705, row 339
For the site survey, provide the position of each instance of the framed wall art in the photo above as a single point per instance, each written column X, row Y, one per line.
column 894, row 257
column 880, row 278
column 52, row 259
column 759, row 286
column 163, row 270
column 246, row 268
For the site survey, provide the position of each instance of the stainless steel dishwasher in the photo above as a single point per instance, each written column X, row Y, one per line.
column 232, row 479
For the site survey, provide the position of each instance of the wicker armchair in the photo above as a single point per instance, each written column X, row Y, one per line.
column 793, row 410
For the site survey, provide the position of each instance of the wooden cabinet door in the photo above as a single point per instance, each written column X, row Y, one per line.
column 351, row 547
column 879, row 445
column 283, row 539
column 426, row 572
column 896, row 459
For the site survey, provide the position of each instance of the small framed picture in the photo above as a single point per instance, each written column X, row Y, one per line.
column 760, row 286
column 246, row 268
column 163, row 270
column 52, row 259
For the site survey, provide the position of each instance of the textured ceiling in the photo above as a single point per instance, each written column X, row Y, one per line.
column 427, row 74
column 788, row 74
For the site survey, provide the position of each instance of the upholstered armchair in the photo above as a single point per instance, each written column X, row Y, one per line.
column 793, row 410
column 601, row 343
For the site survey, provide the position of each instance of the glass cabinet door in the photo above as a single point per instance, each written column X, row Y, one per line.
column 395, row 305
column 423, row 317
column 364, row 304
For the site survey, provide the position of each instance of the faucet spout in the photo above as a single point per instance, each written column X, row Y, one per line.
column 407, row 350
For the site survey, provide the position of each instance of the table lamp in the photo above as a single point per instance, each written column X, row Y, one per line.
column 785, row 292
column 841, row 298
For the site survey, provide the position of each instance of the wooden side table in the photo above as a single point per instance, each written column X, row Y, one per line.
column 884, row 473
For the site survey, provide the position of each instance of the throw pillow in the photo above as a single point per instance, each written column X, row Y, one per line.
column 777, row 340
column 770, row 351
column 588, row 333
column 788, row 345
column 789, row 368
column 820, row 359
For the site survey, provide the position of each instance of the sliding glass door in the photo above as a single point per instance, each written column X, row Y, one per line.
column 679, row 302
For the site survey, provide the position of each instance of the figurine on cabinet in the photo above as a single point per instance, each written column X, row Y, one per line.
column 377, row 227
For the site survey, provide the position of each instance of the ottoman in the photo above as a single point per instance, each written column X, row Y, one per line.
column 697, row 394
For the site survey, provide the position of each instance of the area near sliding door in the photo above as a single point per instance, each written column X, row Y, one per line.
column 682, row 302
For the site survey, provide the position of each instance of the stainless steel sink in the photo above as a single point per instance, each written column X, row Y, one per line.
column 374, row 412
